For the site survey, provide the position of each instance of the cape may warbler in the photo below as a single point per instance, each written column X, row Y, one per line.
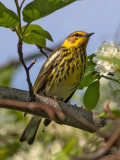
column 60, row 75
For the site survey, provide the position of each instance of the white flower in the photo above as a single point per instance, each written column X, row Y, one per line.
column 107, row 50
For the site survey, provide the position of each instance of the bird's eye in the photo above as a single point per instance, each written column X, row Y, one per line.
column 76, row 34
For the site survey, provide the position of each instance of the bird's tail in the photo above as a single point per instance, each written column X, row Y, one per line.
column 31, row 130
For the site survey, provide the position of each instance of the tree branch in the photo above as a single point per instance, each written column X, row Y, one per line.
column 60, row 112
column 104, row 149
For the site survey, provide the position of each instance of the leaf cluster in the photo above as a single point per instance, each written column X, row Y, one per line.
column 37, row 9
column 91, row 81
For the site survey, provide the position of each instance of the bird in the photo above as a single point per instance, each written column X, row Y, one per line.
column 60, row 76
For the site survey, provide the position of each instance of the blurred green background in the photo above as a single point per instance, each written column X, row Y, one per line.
column 56, row 142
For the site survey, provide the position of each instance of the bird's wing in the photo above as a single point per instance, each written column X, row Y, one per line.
column 46, row 70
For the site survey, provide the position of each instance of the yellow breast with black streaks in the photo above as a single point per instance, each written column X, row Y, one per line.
column 66, row 76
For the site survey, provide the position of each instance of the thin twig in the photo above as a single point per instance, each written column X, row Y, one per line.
column 41, row 50
column 104, row 149
column 112, row 79
column 15, row 63
column 19, row 16
column 31, row 93
column 113, row 156
column 108, row 113
column 33, row 62
column 49, row 49
column 22, row 4
column 17, row 5
column 20, row 53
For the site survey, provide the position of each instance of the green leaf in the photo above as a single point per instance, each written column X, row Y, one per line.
column 111, row 59
column 87, row 80
column 40, row 8
column 102, row 115
column 89, row 77
column 90, row 74
column 92, row 95
column 68, row 147
column 35, row 34
column 116, row 112
column 90, row 57
column 90, row 69
column 8, row 18
column 61, row 156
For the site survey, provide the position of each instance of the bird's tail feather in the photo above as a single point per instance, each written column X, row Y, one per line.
column 31, row 130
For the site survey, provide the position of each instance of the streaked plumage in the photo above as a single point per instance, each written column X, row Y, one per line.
column 60, row 75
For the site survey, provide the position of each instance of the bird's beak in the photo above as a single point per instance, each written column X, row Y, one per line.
column 89, row 34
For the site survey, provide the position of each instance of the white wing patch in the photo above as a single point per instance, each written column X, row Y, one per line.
column 52, row 58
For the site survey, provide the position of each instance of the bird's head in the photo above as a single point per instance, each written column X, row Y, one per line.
column 77, row 38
